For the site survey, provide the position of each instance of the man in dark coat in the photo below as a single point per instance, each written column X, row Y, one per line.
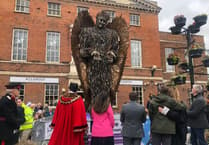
column 132, row 117
column 197, row 118
column 207, row 108
column 20, row 120
column 8, row 114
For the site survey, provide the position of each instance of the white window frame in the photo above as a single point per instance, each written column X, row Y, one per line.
column 169, row 68
column 139, row 90
column 55, row 97
column 23, row 5
column 111, row 15
column 22, row 92
column 80, row 9
column 22, row 41
column 116, row 101
column 55, row 9
column 134, row 19
column 136, row 53
column 54, row 46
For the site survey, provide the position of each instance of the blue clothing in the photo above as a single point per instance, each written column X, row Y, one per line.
column 146, row 127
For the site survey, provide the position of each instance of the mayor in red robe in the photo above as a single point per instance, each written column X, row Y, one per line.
column 69, row 120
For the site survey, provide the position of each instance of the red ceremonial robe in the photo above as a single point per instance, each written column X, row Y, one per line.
column 69, row 122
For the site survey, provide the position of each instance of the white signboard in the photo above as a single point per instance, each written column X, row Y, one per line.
column 34, row 80
column 131, row 82
column 48, row 130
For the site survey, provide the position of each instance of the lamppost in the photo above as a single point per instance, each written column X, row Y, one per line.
column 179, row 28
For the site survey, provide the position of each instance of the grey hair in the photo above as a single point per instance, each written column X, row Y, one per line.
column 198, row 88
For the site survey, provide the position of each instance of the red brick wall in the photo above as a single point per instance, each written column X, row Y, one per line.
column 34, row 92
column 178, row 42
column 37, row 22
column 4, row 80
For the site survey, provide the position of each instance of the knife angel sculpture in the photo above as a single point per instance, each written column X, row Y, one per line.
column 99, row 51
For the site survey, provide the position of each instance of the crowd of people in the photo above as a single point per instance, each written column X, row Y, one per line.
column 169, row 115
column 17, row 118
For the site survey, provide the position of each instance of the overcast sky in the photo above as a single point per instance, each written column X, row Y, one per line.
column 188, row 8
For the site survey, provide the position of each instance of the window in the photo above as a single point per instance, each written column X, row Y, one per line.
column 54, row 9
column 22, row 6
column 53, row 47
column 111, row 15
column 169, row 68
column 80, row 9
column 51, row 94
column 115, row 101
column 134, row 20
column 22, row 92
column 138, row 90
column 136, row 53
column 20, row 44
column 207, row 52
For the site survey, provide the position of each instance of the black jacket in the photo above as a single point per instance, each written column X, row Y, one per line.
column 8, row 117
column 207, row 111
column 180, row 118
column 20, row 121
column 20, row 116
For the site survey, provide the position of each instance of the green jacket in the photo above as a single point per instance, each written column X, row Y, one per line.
column 28, row 124
column 160, row 123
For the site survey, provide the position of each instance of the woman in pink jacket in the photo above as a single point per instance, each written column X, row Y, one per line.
column 102, row 129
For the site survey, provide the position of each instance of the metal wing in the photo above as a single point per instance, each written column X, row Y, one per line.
column 120, row 26
column 83, row 20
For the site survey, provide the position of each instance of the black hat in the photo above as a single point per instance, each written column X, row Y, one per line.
column 13, row 86
column 73, row 87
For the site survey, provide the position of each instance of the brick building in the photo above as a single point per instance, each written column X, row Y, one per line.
column 177, row 43
column 36, row 46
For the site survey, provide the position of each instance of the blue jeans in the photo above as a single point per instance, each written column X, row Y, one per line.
column 197, row 136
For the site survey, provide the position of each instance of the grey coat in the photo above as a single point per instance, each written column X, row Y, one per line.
column 132, row 116
column 196, row 116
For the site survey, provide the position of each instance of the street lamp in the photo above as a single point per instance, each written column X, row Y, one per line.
column 179, row 28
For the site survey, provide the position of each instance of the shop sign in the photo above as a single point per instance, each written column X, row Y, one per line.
column 34, row 80
column 131, row 82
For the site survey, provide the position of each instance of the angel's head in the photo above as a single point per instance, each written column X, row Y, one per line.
column 102, row 19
